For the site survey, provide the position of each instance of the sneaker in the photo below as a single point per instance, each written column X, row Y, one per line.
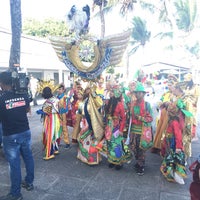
column 67, row 146
column 118, row 167
column 11, row 197
column 136, row 166
column 27, row 186
column 56, row 152
column 48, row 158
column 111, row 165
column 74, row 141
column 140, row 171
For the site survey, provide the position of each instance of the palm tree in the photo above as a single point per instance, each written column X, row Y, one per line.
column 140, row 36
column 106, row 6
column 16, row 27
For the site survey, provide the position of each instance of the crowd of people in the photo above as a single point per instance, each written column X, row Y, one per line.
column 115, row 122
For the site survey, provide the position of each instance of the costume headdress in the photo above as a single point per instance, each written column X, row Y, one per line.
column 173, row 108
column 139, row 88
column 50, row 83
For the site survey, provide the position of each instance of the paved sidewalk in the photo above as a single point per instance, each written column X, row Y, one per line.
column 65, row 177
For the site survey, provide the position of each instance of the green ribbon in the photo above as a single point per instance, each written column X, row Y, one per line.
column 181, row 105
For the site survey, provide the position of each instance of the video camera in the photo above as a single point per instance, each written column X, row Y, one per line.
column 20, row 82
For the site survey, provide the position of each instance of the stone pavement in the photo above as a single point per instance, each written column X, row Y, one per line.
column 65, row 177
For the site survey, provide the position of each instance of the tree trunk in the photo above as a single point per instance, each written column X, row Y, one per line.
column 16, row 27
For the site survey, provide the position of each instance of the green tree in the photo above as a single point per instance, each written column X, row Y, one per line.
column 16, row 27
column 106, row 6
column 45, row 28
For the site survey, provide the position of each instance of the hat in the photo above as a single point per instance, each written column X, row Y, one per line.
column 116, row 90
column 139, row 88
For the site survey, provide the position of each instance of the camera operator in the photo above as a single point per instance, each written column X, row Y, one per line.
column 16, row 136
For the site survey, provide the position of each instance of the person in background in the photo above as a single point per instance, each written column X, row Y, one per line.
column 63, row 109
column 162, row 118
column 76, row 128
column 141, row 114
column 72, row 99
column 52, row 125
column 16, row 137
column 100, row 87
column 33, row 88
column 195, row 185
column 193, row 91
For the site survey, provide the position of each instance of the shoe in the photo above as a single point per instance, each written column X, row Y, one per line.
column 11, row 197
column 136, row 166
column 140, row 171
column 155, row 150
column 27, row 186
column 118, row 167
column 48, row 158
column 67, row 146
column 111, row 165
column 74, row 141
column 56, row 152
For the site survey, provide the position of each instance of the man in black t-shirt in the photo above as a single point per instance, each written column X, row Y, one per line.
column 16, row 136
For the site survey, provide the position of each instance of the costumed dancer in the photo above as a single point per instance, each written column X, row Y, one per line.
column 91, row 124
column 63, row 109
column 141, row 133
column 100, row 87
column 52, row 127
column 132, row 98
column 195, row 185
column 118, row 152
column 173, row 164
column 162, row 119
column 188, row 121
column 192, row 90
column 72, row 99
column 78, row 106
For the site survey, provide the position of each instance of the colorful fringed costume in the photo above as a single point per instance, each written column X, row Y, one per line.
column 173, row 164
column 118, row 153
column 63, row 109
column 91, row 124
column 52, row 127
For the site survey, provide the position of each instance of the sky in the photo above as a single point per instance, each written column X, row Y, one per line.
column 39, row 9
